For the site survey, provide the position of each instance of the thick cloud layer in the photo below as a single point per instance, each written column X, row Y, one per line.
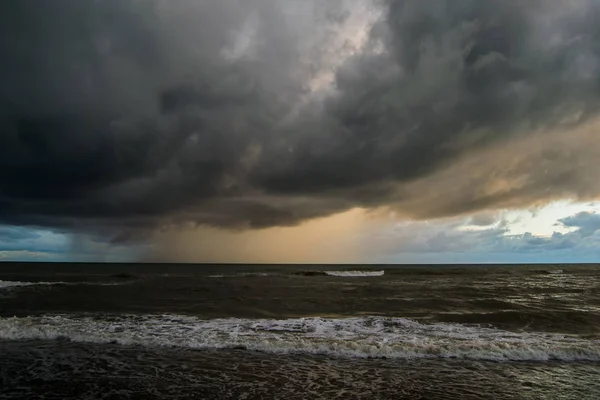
column 126, row 115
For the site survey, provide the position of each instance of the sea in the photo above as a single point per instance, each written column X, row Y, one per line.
column 163, row 331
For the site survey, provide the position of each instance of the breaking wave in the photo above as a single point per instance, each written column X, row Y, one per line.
column 354, row 273
column 17, row 284
column 10, row 284
column 303, row 273
column 365, row 337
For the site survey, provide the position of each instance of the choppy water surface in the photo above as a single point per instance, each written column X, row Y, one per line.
column 431, row 332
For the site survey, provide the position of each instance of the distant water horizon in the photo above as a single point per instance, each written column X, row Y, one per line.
column 6, row 263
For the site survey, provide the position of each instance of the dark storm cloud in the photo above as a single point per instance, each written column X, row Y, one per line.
column 120, row 115
column 458, row 75
column 126, row 110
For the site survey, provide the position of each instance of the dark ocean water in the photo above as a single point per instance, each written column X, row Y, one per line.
column 70, row 331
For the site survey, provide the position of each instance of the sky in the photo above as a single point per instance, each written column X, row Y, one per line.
column 348, row 131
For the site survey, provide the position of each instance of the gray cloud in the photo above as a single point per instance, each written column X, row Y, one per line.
column 118, row 116
column 586, row 223
column 13, row 234
column 486, row 219
column 456, row 76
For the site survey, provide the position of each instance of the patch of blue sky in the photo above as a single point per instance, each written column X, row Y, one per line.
column 34, row 244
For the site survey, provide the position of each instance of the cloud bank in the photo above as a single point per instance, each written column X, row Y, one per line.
column 464, row 240
column 124, row 116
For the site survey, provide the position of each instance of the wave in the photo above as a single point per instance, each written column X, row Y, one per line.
column 365, row 337
column 555, row 271
column 16, row 284
column 354, row 273
column 303, row 273
column 340, row 273
column 243, row 274
column 10, row 284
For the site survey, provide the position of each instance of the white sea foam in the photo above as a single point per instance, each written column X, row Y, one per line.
column 555, row 271
column 347, row 337
column 355, row 273
column 14, row 284
column 10, row 284
column 7, row 284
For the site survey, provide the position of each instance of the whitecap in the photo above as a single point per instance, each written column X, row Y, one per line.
column 555, row 271
column 362, row 337
column 354, row 273
column 16, row 284
column 10, row 284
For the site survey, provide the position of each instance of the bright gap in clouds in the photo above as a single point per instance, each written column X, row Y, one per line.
column 544, row 221
column 541, row 221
